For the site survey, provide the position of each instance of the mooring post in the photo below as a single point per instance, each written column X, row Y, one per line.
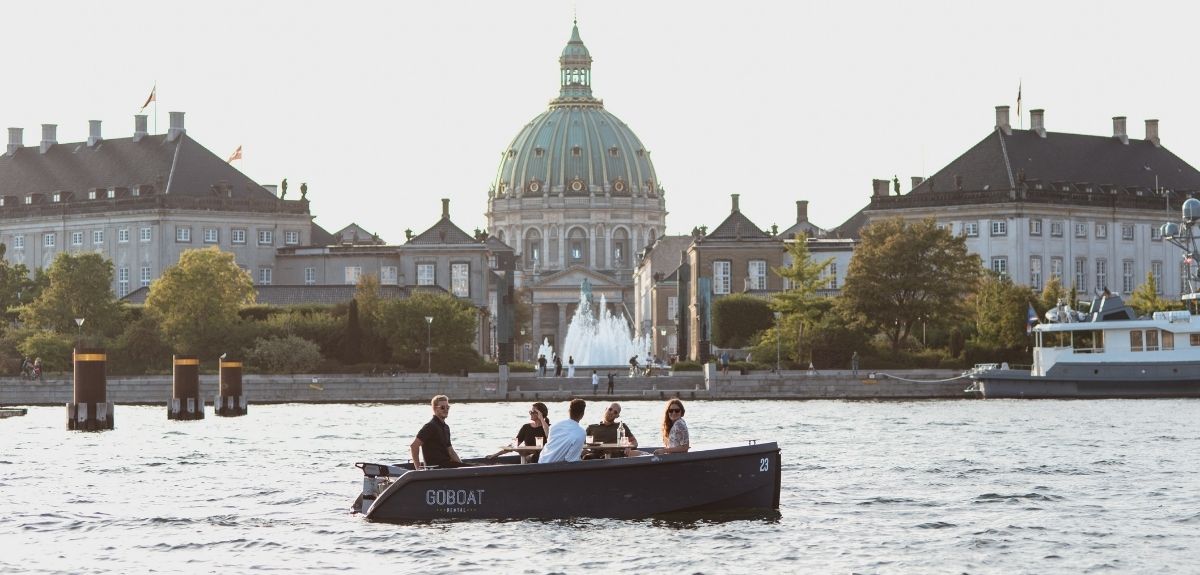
column 186, row 402
column 230, row 400
column 90, row 409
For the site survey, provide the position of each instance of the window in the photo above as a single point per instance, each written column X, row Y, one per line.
column 1152, row 340
column 1101, row 231
column 92, row 194
column 833, row 284
column 110, row 194
column 1056, row 229
column 1127, row 276
column 145, row 276
column 211, row 235
column 672, row 307
column 388, row 275
column 291, row 238
column 721, row 277
column 144, row 235
column 1155, row 233
column 57, row 197
column 28, row 200
column 77, row 238
column 98, row 237
column 1135, row 340
column 1081, row 274
column 183, row 234
column 1127, row 231
column 758, row 274
column 1056, row 268
column 999, row 228
column 264, row 276
column 266, row 237
column 1000, row 265
column 1035, row 227
column 1156, row 272
column 310, row 276
column 425, row 274
column 1168, row 340
column 1081, row 230
column 237, row 236
column 352, row 274
column 123, row 236
column 49, row 239
column 1035, row 272
column 971, row 229
column 122, row 281
column 19, row 242
column 1194, row 339
column 460, row 280
column 1101, row 274
column 576, row 251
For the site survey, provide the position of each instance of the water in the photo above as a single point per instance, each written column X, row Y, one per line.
column 600, row 339
column 898, row 487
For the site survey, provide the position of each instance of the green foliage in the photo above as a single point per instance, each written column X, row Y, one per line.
column 957, row 342
column 902, row 272
column 1145, row 299
column 352, row 343
column 139, row 349
column 1001, row 309
column 821, row 335
column 805, row 276
column 288, row 354
column 1052, row 293
column 196, row 301
column 686, row 366
column 78, row 288
column 16, row 284
column 738, row 318
column 317, row 326
column 373, row 340
column 451, row 334
column 55, row 349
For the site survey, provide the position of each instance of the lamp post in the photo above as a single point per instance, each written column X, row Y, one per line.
column 524, row 344
column 79, row 323
column 428, row 344
column 923, row 318
column 778, row 316
column 662, row 331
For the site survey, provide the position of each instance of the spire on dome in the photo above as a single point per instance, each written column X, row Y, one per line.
column 575, row 65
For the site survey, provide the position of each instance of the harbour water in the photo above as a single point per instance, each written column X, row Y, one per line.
column 868, row 487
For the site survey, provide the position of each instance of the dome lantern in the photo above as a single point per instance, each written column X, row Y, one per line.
column 575, row 64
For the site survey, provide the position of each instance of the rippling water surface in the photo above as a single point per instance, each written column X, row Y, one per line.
column 901, row 487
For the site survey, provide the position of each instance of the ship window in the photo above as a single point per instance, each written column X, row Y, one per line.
column 1135, row 340
column 1168, row 341
column 1152, row 340
column 1194, row 339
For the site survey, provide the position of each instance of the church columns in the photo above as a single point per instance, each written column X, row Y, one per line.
column 537, row 329
column 562, row 326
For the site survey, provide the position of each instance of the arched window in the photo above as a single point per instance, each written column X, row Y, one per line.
column 620, row 248
column 533, row 248
column 577, row 247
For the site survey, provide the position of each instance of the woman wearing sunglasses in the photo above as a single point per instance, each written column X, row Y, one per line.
column 674, row 429
column 538, row 426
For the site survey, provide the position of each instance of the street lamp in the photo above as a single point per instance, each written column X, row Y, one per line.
column 524, row 344
column 778, row 316
column 662, row 331
column 428, row 344
column 79, row 322
column 923, row 318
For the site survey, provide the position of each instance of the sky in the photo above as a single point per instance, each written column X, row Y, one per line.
column 383, row 108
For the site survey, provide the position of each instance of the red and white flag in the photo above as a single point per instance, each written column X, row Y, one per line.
column 153, row 98
column 237, row 155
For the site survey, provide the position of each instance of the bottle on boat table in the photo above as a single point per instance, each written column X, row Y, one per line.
column 620, row 433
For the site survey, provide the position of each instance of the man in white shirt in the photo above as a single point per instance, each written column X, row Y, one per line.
column 566, row 437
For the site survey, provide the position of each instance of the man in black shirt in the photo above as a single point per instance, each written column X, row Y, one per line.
column 434, row 438
column 606, row 430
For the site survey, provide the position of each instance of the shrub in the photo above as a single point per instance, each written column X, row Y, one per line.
column 737, row 318
column 288, row 354
column 54, row 349
column 686, row 366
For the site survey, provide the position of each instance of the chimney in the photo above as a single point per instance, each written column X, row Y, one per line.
column 176, row 129
column 139, row 127
column 879, row 188
column 93, row 133
column 15, row 140
column 735, row 202
column 1002, row 120
column 1037, row 121
column 801, row 211
column 916, row 181
column 445, row 208
column 48, row 138
column 1119, row 129
column 1152, row 133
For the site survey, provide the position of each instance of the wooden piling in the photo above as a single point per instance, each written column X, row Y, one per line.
column 230, row 400
column 186, row 402
column 90, row 409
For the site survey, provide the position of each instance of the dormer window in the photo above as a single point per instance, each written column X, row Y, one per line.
column 537, row 152
column 28, row 200
column 57, row 197
column 641, row 152
column 613, row 151
column 512, row 153
column 92, row 194
column 110, row 194
column 576, row 151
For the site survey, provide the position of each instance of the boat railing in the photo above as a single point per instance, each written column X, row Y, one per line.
column 1087, row 350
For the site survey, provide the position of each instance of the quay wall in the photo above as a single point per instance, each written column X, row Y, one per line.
column 56, row 389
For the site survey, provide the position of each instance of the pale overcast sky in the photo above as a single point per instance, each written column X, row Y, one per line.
column 385, row 107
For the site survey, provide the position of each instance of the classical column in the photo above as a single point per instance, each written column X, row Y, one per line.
column 537, row 330
column 562, row 327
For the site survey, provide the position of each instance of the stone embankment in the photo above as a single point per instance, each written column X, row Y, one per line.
column 56, row 389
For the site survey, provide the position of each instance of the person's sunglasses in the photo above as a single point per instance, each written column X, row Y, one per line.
column 443, row 407
column 674, row 410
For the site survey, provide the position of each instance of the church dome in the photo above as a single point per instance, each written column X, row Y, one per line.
column 576, row 147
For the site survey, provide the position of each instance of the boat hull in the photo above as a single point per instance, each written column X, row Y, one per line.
column 702, row 481
column 1103, row 381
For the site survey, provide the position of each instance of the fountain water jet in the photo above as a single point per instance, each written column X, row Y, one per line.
column 594, row 341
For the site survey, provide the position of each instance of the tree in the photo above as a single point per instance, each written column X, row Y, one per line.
column 374, row 344
column 1145, row 299
column 352, row 345
column 1052, row 294
column 1001, row 309
column 451, row 333
column 288, row 354
column 80, row 287
column 196, row 301
column 738, row 318
column 902, row 272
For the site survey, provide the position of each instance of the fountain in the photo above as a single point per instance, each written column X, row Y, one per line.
column 596, row 341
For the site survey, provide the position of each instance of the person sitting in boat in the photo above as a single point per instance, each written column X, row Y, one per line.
column 566, row 439
column 606, row 432
column 674, row 430
column 434, row 439
column 539, row 424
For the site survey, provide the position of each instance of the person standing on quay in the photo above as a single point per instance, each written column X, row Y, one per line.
column 610, row 383
column 542, row 365
column 557, row 365
column 596, row 382
column 854, row 364
column 570, row 366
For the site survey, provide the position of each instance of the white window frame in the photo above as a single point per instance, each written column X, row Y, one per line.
column 49, row 239
column 832, row 272
column 237, row 236
column 353, row 274
column 1081, row 229
column 1035, row 227
column 389, row 275
column 19, row 242
column 672, row 307
column 122, row 281
column 999, row 228
column 971, row 229
column 1035, row 272
column 183, row 235
column 426, row 274
column 1056, row 268
column 266, row 238
column 77, row 238
column 146, row 278
column 1156, row 270
column 1081, row 275
column 310, row 276
column 721, row 280
column 212, row 235
column 1101, row 273
column 757, row 271
column 460, row 279
column 144, row 235
column 98, row 237
column 1127, row 231
column 122, row 235
column 1000, row 265
column 1056, row 229
column 291, row 237
column 1101, row 230
column 265, row 276
column 1127, row 276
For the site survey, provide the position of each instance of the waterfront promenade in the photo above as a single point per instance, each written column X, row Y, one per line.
column 56, row 389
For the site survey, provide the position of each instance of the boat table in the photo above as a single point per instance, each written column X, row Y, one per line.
column 524, row 451
column 607, row 449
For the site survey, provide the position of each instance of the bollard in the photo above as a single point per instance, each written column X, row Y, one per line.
column 230, row 400
column 90, row 409
column 186, row 402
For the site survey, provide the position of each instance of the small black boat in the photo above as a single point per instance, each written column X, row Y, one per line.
column 742, row 478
